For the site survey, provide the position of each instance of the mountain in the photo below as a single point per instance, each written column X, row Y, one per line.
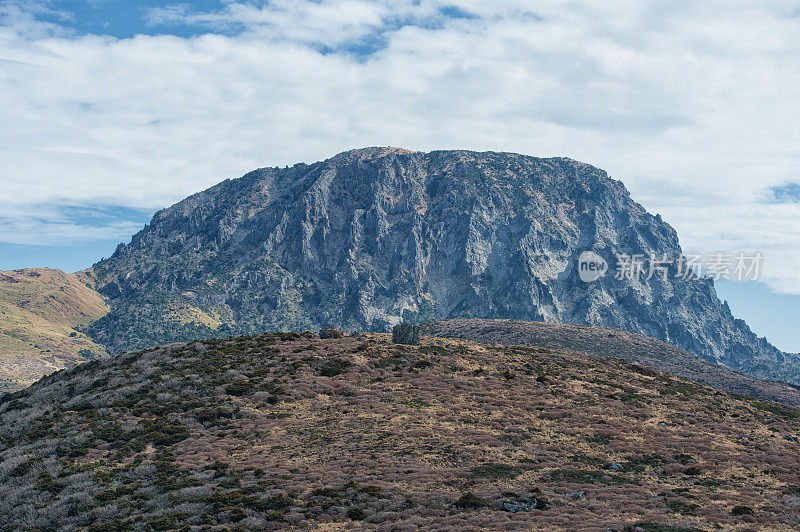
column 375, row 235
column 43, row 314
column 605, row 342
column 286, row 430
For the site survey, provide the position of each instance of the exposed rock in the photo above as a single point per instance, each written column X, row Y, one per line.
column 525, row 504
column 376, row 236
column 405, row 333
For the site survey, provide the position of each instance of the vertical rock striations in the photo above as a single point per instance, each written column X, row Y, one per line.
column 374, row 236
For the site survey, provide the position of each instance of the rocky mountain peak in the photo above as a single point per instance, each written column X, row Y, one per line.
column 373, row 236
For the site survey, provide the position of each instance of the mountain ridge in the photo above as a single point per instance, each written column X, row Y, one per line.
column 606, row 342
column 372, row 236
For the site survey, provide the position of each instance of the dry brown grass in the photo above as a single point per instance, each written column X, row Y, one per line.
column 42, row 313
column 602, row 341
column 269, row 432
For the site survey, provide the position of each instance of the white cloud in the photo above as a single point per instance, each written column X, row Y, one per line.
column 61, row 225
column 322, row 24
column 692, row 104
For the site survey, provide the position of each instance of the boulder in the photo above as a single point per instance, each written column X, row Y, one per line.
column 406, row 334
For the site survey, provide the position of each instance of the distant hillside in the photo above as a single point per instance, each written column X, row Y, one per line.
column 601, row 341
column 376, row 235
column 289, row 431
column 42, row 316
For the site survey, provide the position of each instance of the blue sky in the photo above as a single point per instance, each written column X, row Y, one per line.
column 120, row 18
column 111, row 110
column 768, row 314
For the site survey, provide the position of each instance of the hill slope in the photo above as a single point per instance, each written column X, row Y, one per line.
column 602, row 341
column 271, row 431
column 370, row 236
column 42, row 315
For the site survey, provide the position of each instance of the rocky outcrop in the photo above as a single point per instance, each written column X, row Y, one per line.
column 374, row 236
column 405, row 333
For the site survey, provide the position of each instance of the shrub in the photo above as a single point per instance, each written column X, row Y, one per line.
column 681, row 507
column 278, row 503
column 329, row 332
column 45, row 482
column 469, row 501
column 309, row 347
column 578, row 476
column 491, row 470
column 741, row 510
column 646, row 526
column 212, row 414
column 159, row 432
column 169, row 521
column 24, row 468
column 239, row 389
column 325, row 492
column 374, row 491
column 600, row 439
column 333, row 367
column 356, row 513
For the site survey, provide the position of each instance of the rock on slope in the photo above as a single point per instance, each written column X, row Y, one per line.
column 372, row 235
column 42, row 314
column 602, row 341
column 267, row 432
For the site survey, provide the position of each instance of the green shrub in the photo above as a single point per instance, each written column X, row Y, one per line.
column 681, row 507
column 646, row 526
column 334, row 367
column 24, row 468
column 492, row 470
column 356, row 513
column 47, row 483
column 325, row 492
column 469, row 501
column 239, row 389
column 578, row 476
column 374, row 491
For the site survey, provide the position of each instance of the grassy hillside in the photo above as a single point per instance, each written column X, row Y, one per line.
column 268, row 432
column 42, row 313
column 602, row 341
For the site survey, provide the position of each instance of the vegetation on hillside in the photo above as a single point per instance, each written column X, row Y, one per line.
column 43, row 314
column 280, row 430
column 602, row 341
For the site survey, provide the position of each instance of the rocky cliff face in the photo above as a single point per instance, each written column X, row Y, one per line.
column 372, row 236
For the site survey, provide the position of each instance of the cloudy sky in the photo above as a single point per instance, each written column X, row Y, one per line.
column 110, row 109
